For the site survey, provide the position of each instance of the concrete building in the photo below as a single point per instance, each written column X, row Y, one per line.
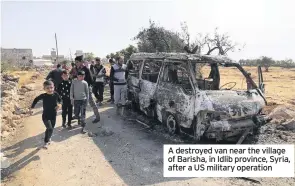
column 16, row 56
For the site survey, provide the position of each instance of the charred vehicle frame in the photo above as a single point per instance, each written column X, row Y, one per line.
column 166, row 86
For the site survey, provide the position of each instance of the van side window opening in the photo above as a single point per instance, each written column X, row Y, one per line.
column 133, row 68
column 151, row 70
column 213, row 76
column 177, row 74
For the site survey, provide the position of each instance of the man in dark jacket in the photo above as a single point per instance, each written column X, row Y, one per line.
column 88, row 78
column 98, row 72
column 111, row 84
column 55, row 76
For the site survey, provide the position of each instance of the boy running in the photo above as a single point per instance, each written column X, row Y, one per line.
column 51, row 104
column 79, row 95
column 64, row 91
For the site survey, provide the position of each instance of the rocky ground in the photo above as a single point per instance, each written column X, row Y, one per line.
column 15, row 101
column 117, row 151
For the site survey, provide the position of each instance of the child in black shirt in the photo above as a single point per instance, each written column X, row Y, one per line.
column 63, row 90
column 51, row 104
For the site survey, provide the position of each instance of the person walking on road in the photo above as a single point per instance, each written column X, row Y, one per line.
column 55, row 76
column 119, row 75
column 111, row 84
column 99, row 73
column 51, row 104
column 79, row 95
column 64, row 92
column 88, row 78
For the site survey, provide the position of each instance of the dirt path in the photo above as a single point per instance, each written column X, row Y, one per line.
column 117, row 153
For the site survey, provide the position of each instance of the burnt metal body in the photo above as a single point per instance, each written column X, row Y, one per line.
column 164, row 86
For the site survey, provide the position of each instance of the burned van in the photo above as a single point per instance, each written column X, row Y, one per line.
column 212, row 96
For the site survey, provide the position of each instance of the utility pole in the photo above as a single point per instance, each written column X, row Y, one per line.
column 71, row 55
column 56, row 48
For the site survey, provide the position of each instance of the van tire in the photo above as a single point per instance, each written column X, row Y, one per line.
column 194, row 129
column 134, row 102
column 172, row 124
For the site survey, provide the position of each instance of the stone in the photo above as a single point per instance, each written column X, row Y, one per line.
column 283, row 137
column 4, row 162
column 18, row 122
column 29, row 87
column 12, row 84
column 9, row 77
column 4, row 114
column 20, row 111
column 290, row 125
column 16, row 117
column 4, row 127
column 106, row 132
column 22, row 93
column 5, row 134
column 282, row 113
column 13, row 124
column 7, row 107
column 6, row 93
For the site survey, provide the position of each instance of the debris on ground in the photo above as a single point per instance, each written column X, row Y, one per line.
column 91, row 134
column 289, row 125
column 106, row 132
column 4, row 161
column 282, row 113
column 270, row 134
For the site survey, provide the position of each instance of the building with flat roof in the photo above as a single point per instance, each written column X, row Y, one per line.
column 17, row 56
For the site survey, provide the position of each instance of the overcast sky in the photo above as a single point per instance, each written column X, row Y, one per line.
column 267, row 27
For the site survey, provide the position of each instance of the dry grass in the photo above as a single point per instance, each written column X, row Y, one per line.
column 25, row 76
column 279, row 82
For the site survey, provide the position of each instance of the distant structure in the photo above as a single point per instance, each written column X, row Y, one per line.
column 49, row 57
column 17, row 56
column 52, row 57
column 79, row 53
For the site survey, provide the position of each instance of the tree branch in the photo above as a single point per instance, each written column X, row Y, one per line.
column 195, row 49
column 211, row 50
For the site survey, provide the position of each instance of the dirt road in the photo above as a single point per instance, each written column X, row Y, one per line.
column 115, row 152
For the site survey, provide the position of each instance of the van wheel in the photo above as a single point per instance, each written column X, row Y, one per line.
column 135, row 106
column 134, row 103
column 196, row 128
column 172, row 124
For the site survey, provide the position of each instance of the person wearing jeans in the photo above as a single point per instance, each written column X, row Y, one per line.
column 80, row 111
column 88, row 78
column 79, row 97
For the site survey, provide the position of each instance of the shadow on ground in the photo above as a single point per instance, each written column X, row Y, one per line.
column 35, row 142
column 133, row 150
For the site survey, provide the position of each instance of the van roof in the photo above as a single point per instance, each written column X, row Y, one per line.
column 182, row 56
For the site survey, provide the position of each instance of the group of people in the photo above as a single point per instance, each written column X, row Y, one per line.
column 65, row 89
